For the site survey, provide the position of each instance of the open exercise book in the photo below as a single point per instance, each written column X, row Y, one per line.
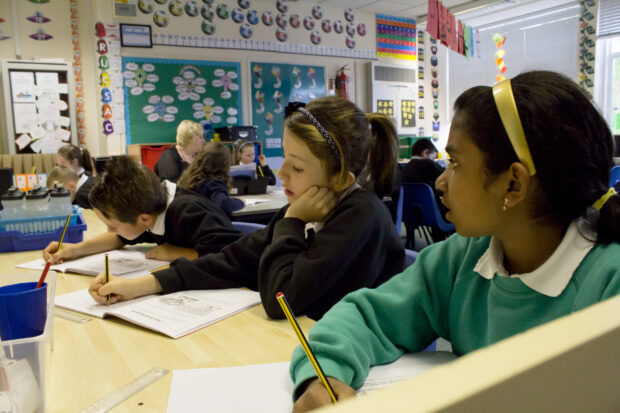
column 125, row 262
column 174, row 315
column 268, row 387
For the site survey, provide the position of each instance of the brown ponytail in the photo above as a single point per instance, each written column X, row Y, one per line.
column 382, row 157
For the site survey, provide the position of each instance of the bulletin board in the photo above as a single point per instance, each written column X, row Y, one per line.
column 160, row 93
column 273, row 86
column 38, row 107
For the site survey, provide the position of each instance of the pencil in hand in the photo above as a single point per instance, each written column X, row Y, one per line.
column 49, row 263
column 304, row 344
column 107, row 277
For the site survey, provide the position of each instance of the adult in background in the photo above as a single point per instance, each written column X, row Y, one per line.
column 174, row 160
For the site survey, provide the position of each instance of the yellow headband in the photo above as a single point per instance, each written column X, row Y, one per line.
column 601, row 201
column 507, row 108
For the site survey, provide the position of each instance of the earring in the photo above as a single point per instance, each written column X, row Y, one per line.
column 505, row 204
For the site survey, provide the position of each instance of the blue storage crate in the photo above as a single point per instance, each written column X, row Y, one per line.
column 30, row 240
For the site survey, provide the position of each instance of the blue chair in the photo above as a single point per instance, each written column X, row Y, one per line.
column 420, row 211
column 410, row 256
column 398, row 219
column 247, row 227
column 614, row 176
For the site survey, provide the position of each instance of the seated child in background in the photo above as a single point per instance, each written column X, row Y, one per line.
column 77, row 159
column 246, row 155
column 422, row 168
column 175, row 159
column 538, row 238
column 208, row 176
column 78, row 187
column 332, row 238
column 129, row 199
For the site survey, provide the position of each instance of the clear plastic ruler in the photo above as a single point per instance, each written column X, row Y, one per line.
column 71, row 316
column 125, row 392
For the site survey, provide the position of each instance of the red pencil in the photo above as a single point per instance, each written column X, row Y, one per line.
column 48, row 263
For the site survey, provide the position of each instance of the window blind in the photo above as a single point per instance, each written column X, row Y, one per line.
column 608, row 18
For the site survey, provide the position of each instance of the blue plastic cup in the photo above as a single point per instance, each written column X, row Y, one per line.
column 23, row 310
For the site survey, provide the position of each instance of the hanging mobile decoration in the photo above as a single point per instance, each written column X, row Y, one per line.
column 499, row 41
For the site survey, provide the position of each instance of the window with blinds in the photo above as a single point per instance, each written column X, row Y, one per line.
column 608, row 18
column 545, row 40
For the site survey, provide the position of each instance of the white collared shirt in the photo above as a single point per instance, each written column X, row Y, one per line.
column 81, row 182
column 316, row 225
column 160, row 223
column 553, row 275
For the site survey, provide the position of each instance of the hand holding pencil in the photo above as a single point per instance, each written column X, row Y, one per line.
column 321, row 391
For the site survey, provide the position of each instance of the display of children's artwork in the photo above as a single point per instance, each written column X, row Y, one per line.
column 385, row 106
column 407, row 113
column 273, row 86
column 160, row 93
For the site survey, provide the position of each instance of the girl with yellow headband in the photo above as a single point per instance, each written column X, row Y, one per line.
column 538, row 234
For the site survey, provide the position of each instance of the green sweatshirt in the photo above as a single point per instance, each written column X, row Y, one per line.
column 440, row 295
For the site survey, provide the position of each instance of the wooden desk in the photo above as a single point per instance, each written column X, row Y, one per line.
column 91, row 360
column 265, row 210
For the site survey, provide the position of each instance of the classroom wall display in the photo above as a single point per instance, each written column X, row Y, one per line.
column 386, row 107
column 39, row 19
column 39, row 106
column 2, row 35
column 160, row 93
column 396, row 37
column 407, row 113
column 273, row 86
column 587, row 44
column 110, row 78
column 302, row 28
column 77, row 73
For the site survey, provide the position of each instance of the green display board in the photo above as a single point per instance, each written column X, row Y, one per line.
column 273, row 86
column 160, row 93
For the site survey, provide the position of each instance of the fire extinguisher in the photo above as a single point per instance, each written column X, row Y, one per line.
column 342, row 83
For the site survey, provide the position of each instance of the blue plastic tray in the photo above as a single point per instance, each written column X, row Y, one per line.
column 18, row 241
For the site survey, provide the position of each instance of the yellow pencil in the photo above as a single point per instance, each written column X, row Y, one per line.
column 261, row 171
column 304, row 343
column 107, row 277
column 49, row 263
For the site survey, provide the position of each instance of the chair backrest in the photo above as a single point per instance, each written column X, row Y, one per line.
column 410, row 256
column 247, row 227
column 614, row 176
column 419, row 199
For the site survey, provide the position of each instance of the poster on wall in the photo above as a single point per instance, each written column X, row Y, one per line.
column 385, row 106
column 160, row 93
column 407, row 113
column 273, row 86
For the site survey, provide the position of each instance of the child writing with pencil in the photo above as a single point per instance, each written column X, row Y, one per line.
column 332, row 238
column 208, row 176
column 75, row 158
column 78, row 186
column 137, row 208
column 246, row 154
column 538, row 234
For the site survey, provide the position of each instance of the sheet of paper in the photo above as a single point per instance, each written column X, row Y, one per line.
column 26, row 117
column 268, row 387
column 62, row 134
column 174, row 315
column 22, row 86
column 23, row 140
column 122, row 262
column 253, row 201
column 37, row 132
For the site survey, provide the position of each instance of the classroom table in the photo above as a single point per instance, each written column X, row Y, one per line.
column 90, row 360
column 263, row 211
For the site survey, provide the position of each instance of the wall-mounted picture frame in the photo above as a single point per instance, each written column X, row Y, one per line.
column 136, row 35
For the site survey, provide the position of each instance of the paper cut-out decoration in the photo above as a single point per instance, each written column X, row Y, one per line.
column 499, row 41
column 41, row 35
column 37, row 17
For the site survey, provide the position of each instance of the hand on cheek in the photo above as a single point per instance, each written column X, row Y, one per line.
column 313, row 205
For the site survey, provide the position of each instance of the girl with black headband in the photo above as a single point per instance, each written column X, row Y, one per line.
column 538, row 234
column 332, row 238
